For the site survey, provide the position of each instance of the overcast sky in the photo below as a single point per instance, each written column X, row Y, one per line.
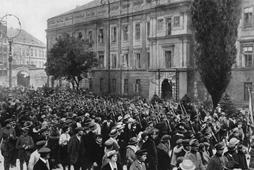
column 33, row 14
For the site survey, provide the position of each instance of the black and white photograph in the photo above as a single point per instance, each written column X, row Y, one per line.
column 126, row 84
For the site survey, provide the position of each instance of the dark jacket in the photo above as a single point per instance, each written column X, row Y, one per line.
column 107, row 167
column 163, row 157
column 74, row 149
column 40, row 165
column 241, row 159
column 152, row 157
column 216, row 163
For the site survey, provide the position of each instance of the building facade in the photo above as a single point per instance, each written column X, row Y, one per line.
column 28, row 59
column 243, row 70
column 28, row 50
column 144, row 47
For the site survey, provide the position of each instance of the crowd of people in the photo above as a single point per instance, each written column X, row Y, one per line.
column 49, row 129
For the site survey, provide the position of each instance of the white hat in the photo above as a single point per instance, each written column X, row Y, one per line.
column 187, row 164
column 233, row 142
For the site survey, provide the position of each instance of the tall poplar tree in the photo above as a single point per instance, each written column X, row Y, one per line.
column 215, row 24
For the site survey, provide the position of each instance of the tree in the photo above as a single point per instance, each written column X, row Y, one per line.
column 70, row 59
column 215, row 24
column 228, row 107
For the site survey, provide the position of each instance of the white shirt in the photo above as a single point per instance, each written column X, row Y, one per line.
column 113, row 165
column 64, row 139
column 34, row 157
column 45, row 161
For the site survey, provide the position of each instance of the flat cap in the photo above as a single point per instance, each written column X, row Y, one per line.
column 44, row 150
column 141, row 152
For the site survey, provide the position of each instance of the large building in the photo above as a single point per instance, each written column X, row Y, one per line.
column 151, row 47
column 243, row 71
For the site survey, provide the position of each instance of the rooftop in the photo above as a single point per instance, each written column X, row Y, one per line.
column 27, row 38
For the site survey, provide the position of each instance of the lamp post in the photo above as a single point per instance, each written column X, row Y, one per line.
column 107, row 2
column 8, row 18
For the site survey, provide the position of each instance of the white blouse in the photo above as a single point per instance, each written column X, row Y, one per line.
column 64, row 139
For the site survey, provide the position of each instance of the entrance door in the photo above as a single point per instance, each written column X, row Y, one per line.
column 166, row 89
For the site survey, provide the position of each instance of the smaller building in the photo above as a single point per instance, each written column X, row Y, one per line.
column 28, row 50
column 29, row 58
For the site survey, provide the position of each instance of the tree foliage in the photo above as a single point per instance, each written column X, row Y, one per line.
column 228, row 107
column 70, row 58
column 215, row 25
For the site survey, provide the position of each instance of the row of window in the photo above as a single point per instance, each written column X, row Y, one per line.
column 125, row 60
column 137, row 86
column 162, row 22
column 30, row 52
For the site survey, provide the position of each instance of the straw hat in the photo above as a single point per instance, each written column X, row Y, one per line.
column 187, row 165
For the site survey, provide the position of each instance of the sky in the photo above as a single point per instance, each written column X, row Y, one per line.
column 33, row 14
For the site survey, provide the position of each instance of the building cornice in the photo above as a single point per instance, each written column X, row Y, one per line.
column 28, row 44
column 158, row 8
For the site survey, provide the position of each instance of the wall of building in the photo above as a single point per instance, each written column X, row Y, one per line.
column 178, row 42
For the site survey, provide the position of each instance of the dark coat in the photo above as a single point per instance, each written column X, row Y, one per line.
column 241, row 159
column 74, row 149
column 216, row 163
column 98, row 154
column 88, row 145
column 163, row 158
column 152, row 156
column 107, row 167
column 40, row 165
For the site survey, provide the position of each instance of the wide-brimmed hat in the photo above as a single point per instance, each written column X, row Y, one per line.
column 187, row 164
column 194, row 143
column 41, row 143
column 109, row 143
column 113, row 133
column 111, row 153
column 165, row 138
column 28, row 124
column 233, row 142
column 25, row 129
column 77, row 129
column 127, row 116
column 119, row 126
column 133, row 141
column 92, row 126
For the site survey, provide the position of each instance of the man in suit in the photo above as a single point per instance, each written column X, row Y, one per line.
column 42, row 163
column 35, row 156
column 75, row 149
